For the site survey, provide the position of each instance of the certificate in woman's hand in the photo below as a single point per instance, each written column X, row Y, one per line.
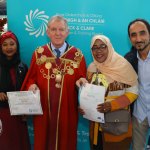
column 24, row 103
column 90, row 96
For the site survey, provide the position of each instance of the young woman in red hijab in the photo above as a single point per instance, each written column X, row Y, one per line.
column 13, row 129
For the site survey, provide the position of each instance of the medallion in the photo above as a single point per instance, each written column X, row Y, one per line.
column 58, row 85
column 40, row 50
column 55, row 71
column 58, row 78
column 48, row 65
column 70, row 71
column 43, row 58
column 62, row 71
column 52, row 76
column 77, row 54
column 75, row 65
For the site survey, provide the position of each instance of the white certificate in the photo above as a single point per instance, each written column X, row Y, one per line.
column 24, row 103
column 90, row 96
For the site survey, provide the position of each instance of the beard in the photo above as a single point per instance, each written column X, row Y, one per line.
column 139, row 48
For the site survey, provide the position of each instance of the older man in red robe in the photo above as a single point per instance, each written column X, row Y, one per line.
column 54, row 70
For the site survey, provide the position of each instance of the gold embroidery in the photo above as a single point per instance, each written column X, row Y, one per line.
column 78, row 56
column 43, row 59
column 67, row 65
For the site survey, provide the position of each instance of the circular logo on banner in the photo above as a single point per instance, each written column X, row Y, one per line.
column 36, row 22
column 1, row 129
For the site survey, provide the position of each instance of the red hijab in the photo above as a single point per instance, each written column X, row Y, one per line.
column 7, row 35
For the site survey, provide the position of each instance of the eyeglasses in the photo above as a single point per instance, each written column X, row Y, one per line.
column 101, row 47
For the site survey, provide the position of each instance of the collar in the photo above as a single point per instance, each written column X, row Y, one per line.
column 148, row 56
column 61, row 49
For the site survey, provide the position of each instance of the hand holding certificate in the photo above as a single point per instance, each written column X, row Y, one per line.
column 90, row 96
column 24, row 103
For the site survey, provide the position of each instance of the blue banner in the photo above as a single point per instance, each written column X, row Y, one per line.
column 28, row 19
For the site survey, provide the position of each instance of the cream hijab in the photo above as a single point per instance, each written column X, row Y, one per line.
column 115, row 67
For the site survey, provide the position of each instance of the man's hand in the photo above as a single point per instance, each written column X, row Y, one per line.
column 33, row 87
column 81, row 111
column 81, row 81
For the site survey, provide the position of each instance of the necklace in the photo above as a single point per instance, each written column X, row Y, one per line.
column 57, row 73
column 58, row 66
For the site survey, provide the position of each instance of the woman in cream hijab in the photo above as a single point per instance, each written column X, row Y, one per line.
column 111, row 70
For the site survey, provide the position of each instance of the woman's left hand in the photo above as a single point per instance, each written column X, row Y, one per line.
column 3, row 96
column 104, row 107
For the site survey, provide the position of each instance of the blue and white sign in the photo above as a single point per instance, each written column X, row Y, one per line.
column 28, row 19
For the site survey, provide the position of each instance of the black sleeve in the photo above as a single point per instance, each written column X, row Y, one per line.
column 132, row 58
column 20, row 74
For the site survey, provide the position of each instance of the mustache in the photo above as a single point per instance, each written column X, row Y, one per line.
column 139, row 42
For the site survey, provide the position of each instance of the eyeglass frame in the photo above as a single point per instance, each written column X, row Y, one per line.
column 102, row 47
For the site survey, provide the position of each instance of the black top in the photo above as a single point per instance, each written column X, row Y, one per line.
column 132, row 58
column 6, row 81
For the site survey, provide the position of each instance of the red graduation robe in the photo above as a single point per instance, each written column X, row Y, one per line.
column 56, row 129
